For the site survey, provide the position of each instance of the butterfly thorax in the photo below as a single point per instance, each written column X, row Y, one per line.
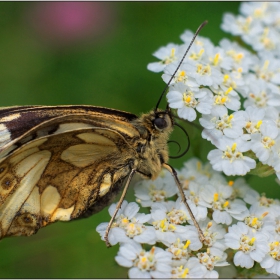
column 152, row 147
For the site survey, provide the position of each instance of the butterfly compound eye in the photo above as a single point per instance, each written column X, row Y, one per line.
column 160, row 123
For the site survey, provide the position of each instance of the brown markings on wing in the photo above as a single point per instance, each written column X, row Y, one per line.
column 21, row 119
column 66, row 188
column 44, row 122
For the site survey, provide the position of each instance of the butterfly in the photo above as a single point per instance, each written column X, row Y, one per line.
column 60, row 163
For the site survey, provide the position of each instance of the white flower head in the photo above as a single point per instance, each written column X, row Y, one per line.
column 195, row 170
column 200, row 41
column 239, row 25
column 271, row 261
column 193, row 194
column 128, row 224
column 181, row 75
column 186, row 100
column 204, row 74
column 263, row 142
column 180, row 251
column 267, row 69
column 149, row 191
column 252, row 246
column 217, row 197
column 235, row 80
column 217, row 57
column 240, row 188
column 261, row 95
column 210, row 260
column 213, row 234
column 223, row 99
column 144, row 264
column 167, row 55
column 242, row 58
column 192, row 268
column 215, row 126
column 167, row 219
column 229, row 157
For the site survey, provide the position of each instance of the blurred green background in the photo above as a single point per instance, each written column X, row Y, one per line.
column 92, row 53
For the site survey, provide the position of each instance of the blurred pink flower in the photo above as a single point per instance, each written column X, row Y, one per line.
column 65, row 23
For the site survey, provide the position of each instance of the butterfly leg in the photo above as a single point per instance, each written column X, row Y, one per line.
column 174, row 174
column 118, row 206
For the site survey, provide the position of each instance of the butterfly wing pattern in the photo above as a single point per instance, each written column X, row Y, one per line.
column 68, row 162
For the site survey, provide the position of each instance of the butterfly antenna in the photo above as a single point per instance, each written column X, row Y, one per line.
column 189, row 142
column 167, row 85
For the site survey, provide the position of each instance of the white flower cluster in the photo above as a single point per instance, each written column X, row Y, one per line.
column 165, row 244
column 235, row 92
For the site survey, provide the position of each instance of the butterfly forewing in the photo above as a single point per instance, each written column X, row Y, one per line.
column 73, row 171
column 17, row 122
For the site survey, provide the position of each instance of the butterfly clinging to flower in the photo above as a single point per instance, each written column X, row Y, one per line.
column 59, row 163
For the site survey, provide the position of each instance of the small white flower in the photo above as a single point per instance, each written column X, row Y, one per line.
column 229, row 157
column 149, row 191
column 210, row 260
column 128, row 224
column 192, row 268
column 267, row 68
column 262, row 203
column 218, row 125
column 260, row 220
column 193, row 195
column 195, row 170
column 204, row 74
column 167, row 55
column 201, row 41
column 181, row 75
column 167, row 219
column 242, row 59
column 240, row 188
column 144, row 264
column 261, row 95
column 234, row 79
column 251, row 246
column 183, row 98
column 217, row 57
column 180, row 251
column 271, row 261
column 213, row 234
column 216, row 198
column 254, row 118
column 223, row 99
column 241, row 26
column 262, row 143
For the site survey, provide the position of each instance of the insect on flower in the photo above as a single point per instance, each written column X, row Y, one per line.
column 59, row 163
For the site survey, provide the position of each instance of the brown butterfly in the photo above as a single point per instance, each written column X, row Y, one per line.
column 59, row 163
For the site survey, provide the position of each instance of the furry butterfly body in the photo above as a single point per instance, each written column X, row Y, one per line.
column 68, row 162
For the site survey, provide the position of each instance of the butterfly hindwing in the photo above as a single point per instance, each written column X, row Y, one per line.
column 61, row 176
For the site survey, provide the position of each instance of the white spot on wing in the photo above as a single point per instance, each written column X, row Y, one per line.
column 5, row 135
column 49, row 200
column 13, row 204
column 105, row 185
column 96, row 139
column 29, row 162
column 32, row 204
column 7, row 151
column 71, row 126
column 83, row 155
column 10, row 118
column 27, row 150
column 62, row 214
